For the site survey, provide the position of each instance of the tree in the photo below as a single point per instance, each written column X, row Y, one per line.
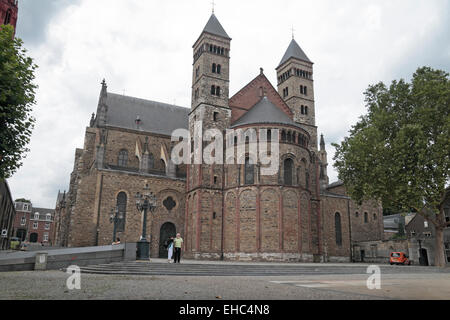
column 398, row 153
column 17, row 96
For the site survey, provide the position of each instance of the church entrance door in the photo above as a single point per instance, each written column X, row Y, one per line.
column 168, row 230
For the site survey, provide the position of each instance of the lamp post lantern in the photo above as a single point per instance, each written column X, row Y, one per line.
column 144, row 202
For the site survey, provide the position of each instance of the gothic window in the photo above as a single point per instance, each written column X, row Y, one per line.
column 288, row 168
column 210, row 48
column 122, row 209
column 338, row 228
column 214, row 68
column 269, row 135
column 213, row 90
column 249, row 172
column 289, row 137
column 151, row 161
column 123, row 158
column 305, row 90
column 306, row 110
column 8, row 17
column 218, row 91
column 219, row 68
column 221, row 51
column 283, row 135
column 303, row 109
column 301, row 89
column 215, row 116
column 366, row 217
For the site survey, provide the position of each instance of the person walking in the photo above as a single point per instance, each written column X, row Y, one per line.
column 178, row 244
column 170, row 249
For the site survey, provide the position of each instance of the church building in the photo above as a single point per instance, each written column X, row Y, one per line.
column 8, row 12
column 223, row 211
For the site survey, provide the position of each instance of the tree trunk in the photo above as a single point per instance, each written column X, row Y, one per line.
column 439, row 259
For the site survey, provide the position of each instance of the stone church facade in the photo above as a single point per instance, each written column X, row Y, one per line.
column 223, row 211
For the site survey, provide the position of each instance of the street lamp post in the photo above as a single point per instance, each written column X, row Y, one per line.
column 115, row 218
column 144, row 202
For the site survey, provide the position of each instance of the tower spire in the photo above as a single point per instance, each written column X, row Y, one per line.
column 213, row 5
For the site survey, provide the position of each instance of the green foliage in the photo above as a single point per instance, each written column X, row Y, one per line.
column 399, row 151
column 23, row 200
column 17, row 96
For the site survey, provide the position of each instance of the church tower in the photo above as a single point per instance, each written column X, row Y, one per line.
column 296, row 87
column 211, row 75
column 205, row 182
column 8, row 12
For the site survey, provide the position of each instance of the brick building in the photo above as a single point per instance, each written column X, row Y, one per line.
column 228, row 211
column 7, row 214
column 35, row 225
column 9, row 12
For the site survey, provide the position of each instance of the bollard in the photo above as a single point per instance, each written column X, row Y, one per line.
column 41, row 261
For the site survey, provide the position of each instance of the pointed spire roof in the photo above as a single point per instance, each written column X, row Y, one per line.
column 214, row 27
column 322, row 142
column 294, row 51
column 264, row 112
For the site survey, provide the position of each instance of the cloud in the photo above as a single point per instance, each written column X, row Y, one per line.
column 144, row 48
column 36, row 15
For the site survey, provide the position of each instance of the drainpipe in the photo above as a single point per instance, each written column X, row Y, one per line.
column 98, row 211
column 223, row 211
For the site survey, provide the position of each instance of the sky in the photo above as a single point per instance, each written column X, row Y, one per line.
column 144, row 49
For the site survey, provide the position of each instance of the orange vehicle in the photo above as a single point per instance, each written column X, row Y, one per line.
column 399, row 258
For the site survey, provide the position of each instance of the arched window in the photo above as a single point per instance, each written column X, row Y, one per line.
column 122, row 209
column 366, row 217
column 283, row 135
column 306, row 179
column 163, row 165
column 338, row 228
column 222, row 50
column 123, row 158
column 289, row 137
column 303, row 109
column 151, row 161
column 8, row 17
column 249, row 172
column 213, row 90
column 305, row 90
column 214, row 68
column 218, row 91
column 306, row 110
column 219, row 68
column 210, row 48
column 288, row 168
column 269, row 135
